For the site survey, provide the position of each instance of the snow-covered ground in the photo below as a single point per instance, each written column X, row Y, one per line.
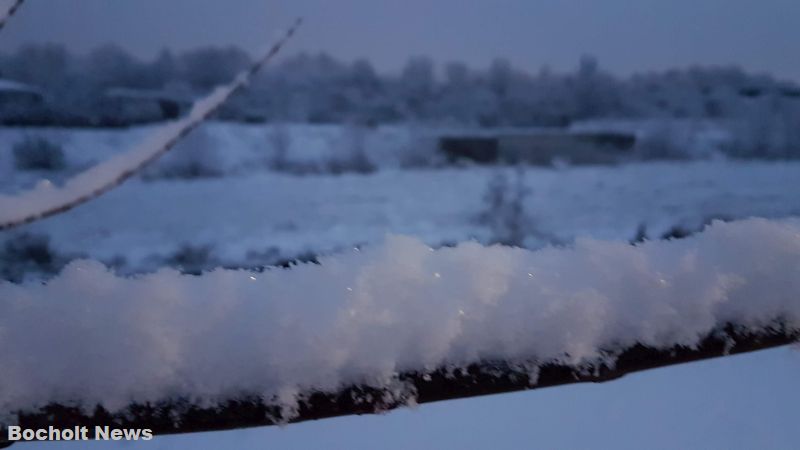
column 286, row 215
column 250, row 215
column 234, row 149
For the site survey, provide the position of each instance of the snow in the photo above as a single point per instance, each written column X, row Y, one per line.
column 292, row 215
column 182, row 325
column 239, row 148
column 739, row 402
column 364, row 316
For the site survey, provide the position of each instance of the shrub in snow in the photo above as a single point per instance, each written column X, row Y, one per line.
column 679, row 230
column 197, row 156
column 353, row 157
column 665, row 141
column 347, row 152
column 504, row 209
column 418, row 156
column 193, row 259
column 29, row 255
column 770, row 132
column 279, row 140
column 37, row 153
column 420, row 151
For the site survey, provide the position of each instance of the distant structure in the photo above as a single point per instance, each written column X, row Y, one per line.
column 127, row 105
column 539, row 147
column 19, row 101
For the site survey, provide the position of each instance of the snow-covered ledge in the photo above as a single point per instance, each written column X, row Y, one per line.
column 392, row 324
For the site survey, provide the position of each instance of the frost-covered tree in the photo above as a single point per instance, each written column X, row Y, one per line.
column 596, row 93
column 417, row 85
column 46, row 65
column 208, row 67
column 500, row 76
column 113, row 66
column 163, row 70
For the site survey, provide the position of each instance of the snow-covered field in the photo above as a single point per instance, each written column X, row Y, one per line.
column 234, row 149
column 285, row 215
column 250, row 215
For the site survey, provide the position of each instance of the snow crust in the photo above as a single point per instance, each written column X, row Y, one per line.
column 91, row 337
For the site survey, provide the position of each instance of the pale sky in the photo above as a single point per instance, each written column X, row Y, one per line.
column 626, row 35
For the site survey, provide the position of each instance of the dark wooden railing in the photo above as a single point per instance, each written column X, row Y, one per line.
column 485, row 378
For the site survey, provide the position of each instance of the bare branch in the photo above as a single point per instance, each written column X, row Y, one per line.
column 46, row 201
column 10, row 12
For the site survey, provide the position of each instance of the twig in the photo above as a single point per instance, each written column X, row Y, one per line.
column 96, row 181
column 10, row 12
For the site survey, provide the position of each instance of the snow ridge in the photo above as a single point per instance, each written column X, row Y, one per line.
column 46, row 200
column 91, row 337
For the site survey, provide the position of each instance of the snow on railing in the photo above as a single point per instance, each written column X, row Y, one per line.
column 485, row 378
column 370, row 317
column 46, row 200
column 5, row 15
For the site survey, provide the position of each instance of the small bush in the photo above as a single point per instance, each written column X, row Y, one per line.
column 36, row 153
column 768, row 135
column 354, row 156
column 680, row 230
column 504, row 212
column 666, row 142
column 421, row 153
column 27, row 254
column 280, row 140
column 506, row 216
column 195, row 157
column 193, row 259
